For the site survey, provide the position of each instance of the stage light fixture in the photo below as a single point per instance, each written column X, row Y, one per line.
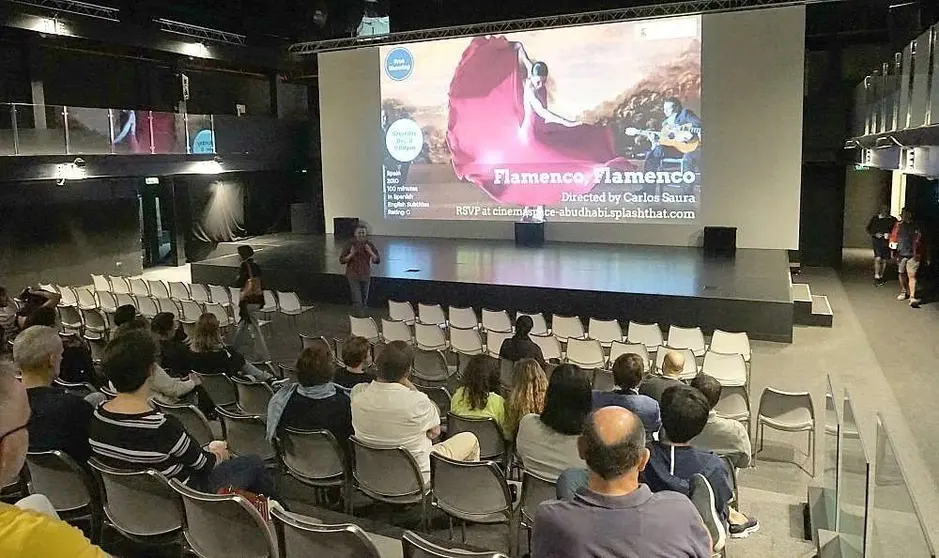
column 207, row 167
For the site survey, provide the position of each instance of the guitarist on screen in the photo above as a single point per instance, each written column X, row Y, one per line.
column 687, row 140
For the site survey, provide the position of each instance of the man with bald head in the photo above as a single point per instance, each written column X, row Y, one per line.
column 672, row 366
column 616, row 515
column 26, row 532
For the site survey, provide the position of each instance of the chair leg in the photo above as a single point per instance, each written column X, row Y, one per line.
column 812, row 448
column 463, row 530
column 450, row 527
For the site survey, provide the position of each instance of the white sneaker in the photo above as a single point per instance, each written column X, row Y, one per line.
column 903, row 296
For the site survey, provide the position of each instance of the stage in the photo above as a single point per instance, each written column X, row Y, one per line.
column 664, row 284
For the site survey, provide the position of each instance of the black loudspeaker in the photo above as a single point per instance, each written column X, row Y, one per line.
column 344, row 227
column 720, row 241
column 529, row 234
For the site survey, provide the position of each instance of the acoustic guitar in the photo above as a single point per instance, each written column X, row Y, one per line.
column 683, row 138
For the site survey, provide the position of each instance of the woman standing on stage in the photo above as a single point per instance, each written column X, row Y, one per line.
column 358, row 257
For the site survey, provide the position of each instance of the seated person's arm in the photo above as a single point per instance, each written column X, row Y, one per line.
column 428, row 416
column 163, row 384
column 186, row 449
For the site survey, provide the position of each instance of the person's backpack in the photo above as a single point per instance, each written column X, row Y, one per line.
column 252, row 287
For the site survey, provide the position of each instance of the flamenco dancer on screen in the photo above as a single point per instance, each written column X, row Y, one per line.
column 499, row 121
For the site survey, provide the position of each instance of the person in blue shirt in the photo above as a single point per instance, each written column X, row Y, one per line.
column 673, row 461
column 628, row 370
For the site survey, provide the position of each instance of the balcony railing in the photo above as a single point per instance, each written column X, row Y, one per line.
column 63, row 130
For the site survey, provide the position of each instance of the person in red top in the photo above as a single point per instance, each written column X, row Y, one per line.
column 906, row 240
column 358, row 257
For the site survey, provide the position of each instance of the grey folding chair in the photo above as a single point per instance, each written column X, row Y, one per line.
column 314, row 340
column 192, row 419
column 140, row 505
column 440, row 396
column 288, row 372
column 603, row 380
column 487, row 431
column 788, row 412
column 731, row 343
column 388, row 474
column 401, row 311
column 396, row 330
column 414, row 546
column 506, row 374
column 246, row 434
column 463, row 318
column 619, row 349
column 364, row 327
column 494, row 341
column 687, row 338
column 535, row 490
column 216, row 525
column 489, row 500
column 550, row 346
column 220, row 388
column 649, row 335
column 69, row 488
column 734, row 404
column 70, row 318
column 80, row 389
column 431, row 368
column 728, row 369
column 253, row 395
column 312, row 457
column 299, row 536
column 585, row 353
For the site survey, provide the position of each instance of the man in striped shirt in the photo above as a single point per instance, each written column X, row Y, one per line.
column 126, row 433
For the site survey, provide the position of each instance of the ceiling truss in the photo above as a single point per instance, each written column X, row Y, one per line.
column 73, row 7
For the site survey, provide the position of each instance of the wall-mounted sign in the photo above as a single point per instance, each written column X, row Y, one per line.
column 203, row 142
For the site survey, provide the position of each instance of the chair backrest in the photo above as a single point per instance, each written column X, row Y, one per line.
column 494, row 340
column 80, row 389
column 429, row 336
column 289, row 301
column 146, row 305
column 603, row 380
column 69, row 297
column 450, row 479
column 219, row 311
column 138, row 287
column 567, row 327
column 94, row 320
column 100, row 283
column 728, row 369
column 220, row 388
column 312, row 456
column 190, row 310
column 168, row 305
column 86, row 298
column 270, row 302
column 535, row 490
column 464, row 318
column 691, row 366
column 300, row 536
column 314, row 340
column 414, row 546
column 487, row 431
column 619, row 349
column 219, row 294
column 395, row 330
column 179, row 290
column 440, row 397
column 57, row 476
column 402, row 311
column 784, row 406
column 550, row 346
column 158, row 289
column 138, row 503
column 586, row 353
column 539, row 324
column 730, row 343
column 686, row 338
column 288, row 372
column 431, row 314
column 649, row 335
column 497, row 321
column 386, row 472
column 70, row 317
column 430, row 365
column 253, row 395
column 506, row 374
column 199, row 293
column 119, row 284
column 364, row 327
column 192, row 419
column 224, row 525
column 604, row 331
column 107, row 301
column 734, row 403
column 246, row 434
column 466, row 341
column 234, row 295
column 123, row 299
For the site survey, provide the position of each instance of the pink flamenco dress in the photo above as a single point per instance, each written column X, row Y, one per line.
column 487, row 132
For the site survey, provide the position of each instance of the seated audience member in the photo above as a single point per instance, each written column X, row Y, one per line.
column 355, row 357
column 175, row 353
column 27, row 533
column 390, row 411
column 673, row 461
column 547, row 443
column 520, row 346
column 529, row 384
column 77, row 365
column 211, row 356
column 628, row 370
column 126, row 318
column 615, row 514
column 128, row 434
column 672, row 366
column 314, row 402
column 165, row 388
column 8, row 327
column 721, row 435
column 474, row 398
column 60, row 420
column 34, row 299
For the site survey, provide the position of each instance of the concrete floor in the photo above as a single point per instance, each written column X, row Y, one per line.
column 882, row 351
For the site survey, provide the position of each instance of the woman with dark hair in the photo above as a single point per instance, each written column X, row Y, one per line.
column 250, row 302
column 476, row 398
column 547, row 443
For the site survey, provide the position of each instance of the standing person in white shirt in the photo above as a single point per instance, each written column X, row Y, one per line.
column 390, row 411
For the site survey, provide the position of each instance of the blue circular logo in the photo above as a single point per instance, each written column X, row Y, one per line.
column 203, row 142
column 399, row 64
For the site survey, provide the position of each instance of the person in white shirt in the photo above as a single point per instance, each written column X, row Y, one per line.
column 390, row 411
column 721, row 435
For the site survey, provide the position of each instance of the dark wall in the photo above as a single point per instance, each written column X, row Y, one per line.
column 63, row 234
